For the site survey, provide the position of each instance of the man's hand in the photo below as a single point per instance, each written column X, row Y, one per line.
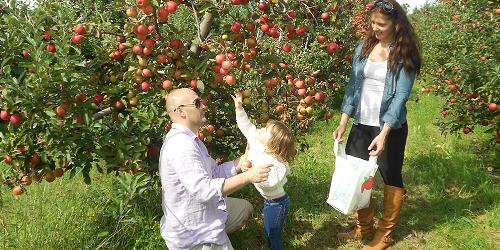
column 258, row 173
column 238, row 101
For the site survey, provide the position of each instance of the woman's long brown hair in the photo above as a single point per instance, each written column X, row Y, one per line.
column 406, row 45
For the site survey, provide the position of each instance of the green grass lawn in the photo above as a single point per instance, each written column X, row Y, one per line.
column 453, row 201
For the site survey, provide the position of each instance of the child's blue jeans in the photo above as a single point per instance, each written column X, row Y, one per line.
column 275, row 212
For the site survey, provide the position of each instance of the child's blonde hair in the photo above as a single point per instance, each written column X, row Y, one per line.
column 282, row 141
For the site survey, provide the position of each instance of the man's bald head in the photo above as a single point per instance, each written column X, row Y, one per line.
column 178, row 97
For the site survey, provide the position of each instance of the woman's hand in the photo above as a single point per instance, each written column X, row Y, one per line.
column 339, row 132
column 376, row 148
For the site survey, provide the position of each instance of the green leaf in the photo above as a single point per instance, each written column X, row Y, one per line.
column 201, row 86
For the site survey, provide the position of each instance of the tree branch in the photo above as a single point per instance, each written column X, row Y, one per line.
column 102, row 113
column 203, row 30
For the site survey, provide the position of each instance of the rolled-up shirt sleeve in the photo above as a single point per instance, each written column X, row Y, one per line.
column 224, row 170
column 194, row 176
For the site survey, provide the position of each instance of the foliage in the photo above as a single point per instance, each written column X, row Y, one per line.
column 460, row 46
column 84, row 89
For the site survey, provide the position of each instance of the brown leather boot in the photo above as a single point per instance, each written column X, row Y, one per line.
column 364, row 223
column 393, row 199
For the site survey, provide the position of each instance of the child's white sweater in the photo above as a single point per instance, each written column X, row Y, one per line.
column 273, row 187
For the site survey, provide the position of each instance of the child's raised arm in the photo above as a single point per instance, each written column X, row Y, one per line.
column 244, row 124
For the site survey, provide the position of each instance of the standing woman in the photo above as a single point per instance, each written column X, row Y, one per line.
column 384, row 68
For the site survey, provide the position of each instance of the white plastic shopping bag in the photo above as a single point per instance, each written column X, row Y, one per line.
column 352, row 181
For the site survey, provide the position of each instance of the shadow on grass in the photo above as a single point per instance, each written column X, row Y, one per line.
column 443, row 187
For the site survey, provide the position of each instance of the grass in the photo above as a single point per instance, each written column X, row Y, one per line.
column 452, row 183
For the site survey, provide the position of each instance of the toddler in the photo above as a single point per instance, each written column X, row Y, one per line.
column 272, row 144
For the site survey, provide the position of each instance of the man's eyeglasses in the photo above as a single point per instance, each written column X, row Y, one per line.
column 196, row 103
column 386, row 6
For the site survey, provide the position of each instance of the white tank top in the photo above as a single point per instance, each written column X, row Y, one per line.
column 371, row 94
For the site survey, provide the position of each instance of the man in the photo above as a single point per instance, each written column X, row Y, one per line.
column 196, row 212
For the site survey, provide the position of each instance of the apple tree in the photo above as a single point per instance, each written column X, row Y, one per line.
column 83, row 82
column 460, row 46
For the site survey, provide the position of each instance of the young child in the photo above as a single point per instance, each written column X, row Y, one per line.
column 272, row 144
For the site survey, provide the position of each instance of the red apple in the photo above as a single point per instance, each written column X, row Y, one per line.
column 262, row 5
column 149, row 43
column 201, row 136
column 467, row 130
column 235, row 27
column 97, row 99
column 25, row 54
column 142, row 29
column 17, row 190
column 264, row 28
column 145, row 86
column 148, row 9
column 58, row 172
column 4, row 115
column 226, row 65
column 302, row 92
column 280, row 108
column 77, row 39
column 146, row 73
column 26, row 180
column 325, row 16
column 230, row 79
column 299, row 84
column 220, row 58
column 287, row 47
column 60, row 111
column 321, row 39
column 246, row 164
column 162, row 58
column 331, row 47
column 80, row 29
column 50, row 177
column 210, row 128
column 122, row 47
column 171, row 6
column 492, row 106
column 319, row 96
column 308, row 99
column 15, row 119
column 51, row 48
column 137, row 49
column 167, row 84
column 7, row 159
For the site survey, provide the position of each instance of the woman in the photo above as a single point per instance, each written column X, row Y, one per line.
column 384, row 68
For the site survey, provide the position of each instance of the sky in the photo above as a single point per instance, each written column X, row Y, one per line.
column 414, row 3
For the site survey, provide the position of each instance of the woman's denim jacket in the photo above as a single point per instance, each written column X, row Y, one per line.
column 396, row 91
